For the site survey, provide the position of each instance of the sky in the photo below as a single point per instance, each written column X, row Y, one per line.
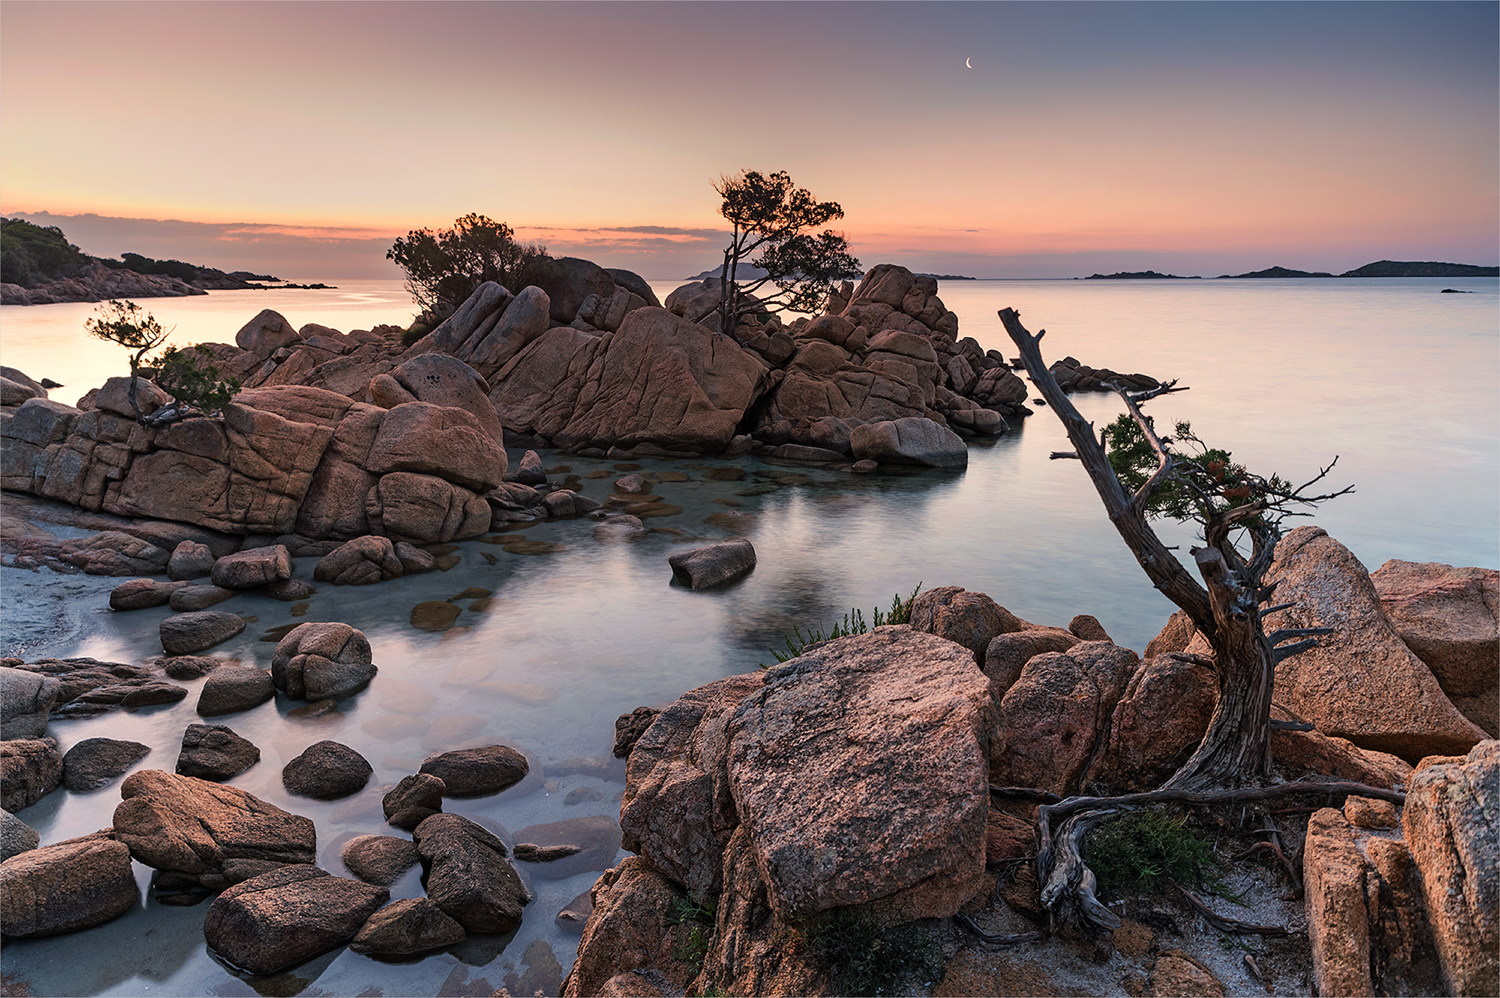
column 1192, row 138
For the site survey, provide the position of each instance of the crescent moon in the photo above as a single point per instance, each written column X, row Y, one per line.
column 969, row 63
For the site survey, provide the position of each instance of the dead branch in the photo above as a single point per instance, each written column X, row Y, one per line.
column 1229, row 924
column 1025, row 793
column 1287, row 651
column 1276, row 637
column 984, row 937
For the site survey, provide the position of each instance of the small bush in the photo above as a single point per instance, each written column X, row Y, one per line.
column 865, row 958
column 693, row 921
column 192, row 378
column 1140, row 853
column 853, row 623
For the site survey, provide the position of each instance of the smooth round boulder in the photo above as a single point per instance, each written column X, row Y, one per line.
column 200, row 630
column 912, row 440
column 477, row 772
column 360, row 562
column 96, row 762
column 289, row 590
column 288, row 916
column 214, row 752
column 234, row 688
column 322, row 661
column 141, row 594
column 327, row 770
column 187, row 599
column 66, row 887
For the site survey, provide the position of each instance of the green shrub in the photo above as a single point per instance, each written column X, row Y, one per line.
column 1142, row 852
column 864, row 958
column 692, row 920
column 192, row 378
column 853, row 623
column 30, row 254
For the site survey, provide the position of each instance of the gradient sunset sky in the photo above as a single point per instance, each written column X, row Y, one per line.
column 1192, row 138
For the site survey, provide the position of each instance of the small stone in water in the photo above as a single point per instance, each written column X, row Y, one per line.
column 473, row 592
column 434, row 615
column 300, row 609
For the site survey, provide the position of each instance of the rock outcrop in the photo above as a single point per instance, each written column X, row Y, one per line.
column 61, row 888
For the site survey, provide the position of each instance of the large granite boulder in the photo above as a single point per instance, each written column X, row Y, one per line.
column 407, row 506
column 1057, row 712
column 578, row 389
column 233, row 688
column 631, row 928
column 1007, row 653
column 468, row 875
column 1452, row 827
column 268, row 332
column 970, row 619
column 490, row 346
column 443, row 380
column 569, row 280
column 1159, row 720
column 200, row 832
column 284, row 917
column 859, row 775
column 909, row 441
column 1447, row 616
column 252, row 567
column 1361, row 682
column 443, row 441
column 26, row 699
column 61, row 888
column 362, row 561
column 322, row 661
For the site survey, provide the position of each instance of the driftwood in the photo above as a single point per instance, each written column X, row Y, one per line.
column 984, row 937
column 1229, row 924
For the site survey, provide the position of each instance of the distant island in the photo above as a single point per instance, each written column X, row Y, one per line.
column 1139, row 275
column 38, row 266
column 1383, row 268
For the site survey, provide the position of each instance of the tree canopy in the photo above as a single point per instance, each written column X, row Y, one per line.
column 444, row 267
column 190, row 376
column 30, row 253
column 770, row 215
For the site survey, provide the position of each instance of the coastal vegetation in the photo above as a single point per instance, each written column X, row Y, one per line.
column 30, row 253
column 444, row 267
column 768, row 214
column 190, row 376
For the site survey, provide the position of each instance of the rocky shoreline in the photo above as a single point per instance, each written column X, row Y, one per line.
column 876, row 793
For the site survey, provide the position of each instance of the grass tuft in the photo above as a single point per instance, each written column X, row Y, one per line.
column 853, row 623
column 1141, row 853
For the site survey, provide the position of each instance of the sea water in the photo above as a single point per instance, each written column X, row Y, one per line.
column 1396, row 379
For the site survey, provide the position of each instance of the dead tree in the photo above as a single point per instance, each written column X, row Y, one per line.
column 1228, row 607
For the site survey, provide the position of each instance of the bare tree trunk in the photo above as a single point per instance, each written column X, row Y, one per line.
column 1236, row 746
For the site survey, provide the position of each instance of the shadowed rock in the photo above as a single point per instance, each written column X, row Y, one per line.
column 714, row 564
column 96, row 762
column 327, row 770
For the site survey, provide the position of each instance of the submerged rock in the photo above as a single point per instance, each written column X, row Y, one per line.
column 714, row 564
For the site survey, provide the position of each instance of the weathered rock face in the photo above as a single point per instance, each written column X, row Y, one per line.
column 253, row 567
column 1364, row 908
column 26, row 698
column 659, row 379
column 215, row 752
column 677, row 811
column 813, row 756
column 1159, row 720
column 327, row 661
column 1447, row 616
column 30, row 769
column 971, row 619
column 285, row 917
column 283, row 458
column 413, row 800
column 1057, row 712
column 234, row 688
column 66, row 887
column 1361, row 682
column 468, row 876
column 362, row 561
column 206, row 833
column 96, row 762
column 379, row 859
column 1452, row 827
column 629, row 930
column 199, row 630
column 1007, row 654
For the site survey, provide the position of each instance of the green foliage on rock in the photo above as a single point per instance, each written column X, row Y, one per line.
column 444, row 267
column 192, row 378
column 853, row 623
column 863, row 957
column 30, row 254
column 1142, row 852
column 162, row 268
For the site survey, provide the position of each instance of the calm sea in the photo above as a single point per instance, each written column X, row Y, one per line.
column 1398, row 381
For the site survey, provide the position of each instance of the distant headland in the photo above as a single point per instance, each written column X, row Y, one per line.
column 1380, row 268
column 38, row 266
